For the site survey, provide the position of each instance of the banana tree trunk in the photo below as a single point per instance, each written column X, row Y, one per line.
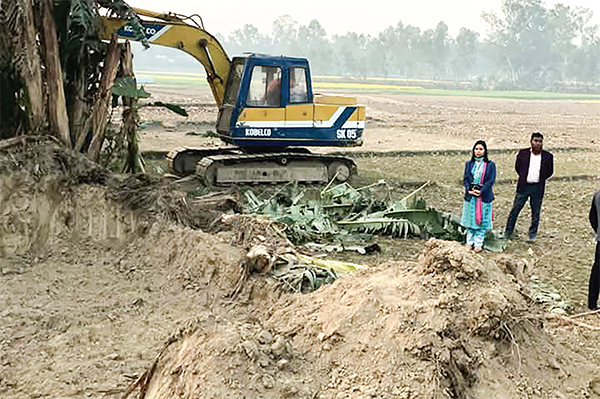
column 57, row 107
column 31, row 68
column 77, row 106
column 102, row 101
column 135, row 162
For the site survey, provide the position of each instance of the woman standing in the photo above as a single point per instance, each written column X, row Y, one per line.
column 478, row 179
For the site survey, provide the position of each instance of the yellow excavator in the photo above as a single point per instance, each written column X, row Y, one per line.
column 268, row 112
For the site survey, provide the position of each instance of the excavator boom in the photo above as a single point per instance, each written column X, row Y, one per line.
column 171, row 30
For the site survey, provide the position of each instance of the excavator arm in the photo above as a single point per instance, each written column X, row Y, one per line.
column 172, row 30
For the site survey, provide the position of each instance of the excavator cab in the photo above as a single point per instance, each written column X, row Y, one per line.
column 269, row 102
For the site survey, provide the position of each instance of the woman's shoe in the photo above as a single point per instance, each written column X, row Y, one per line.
column 478, row 249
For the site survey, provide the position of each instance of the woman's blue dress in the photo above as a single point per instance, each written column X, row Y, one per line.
column 468, row 212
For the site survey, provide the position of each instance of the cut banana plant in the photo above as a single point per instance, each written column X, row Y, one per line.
column 342, row 209
column 401, row 228
column 301, row 273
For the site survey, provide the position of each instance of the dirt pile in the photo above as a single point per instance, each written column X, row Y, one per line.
column 198, row 260
column 48, row 192
column 96, row 271
column 452, row 325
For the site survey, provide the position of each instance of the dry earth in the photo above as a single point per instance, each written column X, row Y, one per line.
column 401, row 122
column 93, row 288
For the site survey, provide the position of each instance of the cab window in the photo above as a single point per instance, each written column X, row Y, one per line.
column 233, row 83
column 298, row 86
column 265, row 87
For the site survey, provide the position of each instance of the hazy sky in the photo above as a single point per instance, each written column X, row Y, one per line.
column 339, row 17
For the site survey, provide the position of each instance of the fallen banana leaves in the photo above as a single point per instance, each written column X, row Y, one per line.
column 301, row 273
column 342, row 247
column 343, row 218
column 542, row 292
column 343, row 210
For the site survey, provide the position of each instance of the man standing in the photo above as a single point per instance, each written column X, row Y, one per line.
column 594, row 288
column 534, row 166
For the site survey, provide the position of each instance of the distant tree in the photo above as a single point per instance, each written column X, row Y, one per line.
column 312, row 43
column 585, row 64
column 285, row 34
column 440, row 48
column 376, row 59
column 409, row 42
column 522, row 40
column 466, row 51
column 248, row 39
column 351, row 51
column 563, row 26
column 391, row 56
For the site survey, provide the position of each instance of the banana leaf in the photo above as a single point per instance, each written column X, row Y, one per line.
column 171, row 107
column 384, row 226
column 301, row 273
column 428, row 218
column 337, row 266
column 126, row 87
column 494, row 242
column 342, row 193
column 303, row 278
column 547, row 295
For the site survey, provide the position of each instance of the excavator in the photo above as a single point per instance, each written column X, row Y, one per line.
column 268, row 112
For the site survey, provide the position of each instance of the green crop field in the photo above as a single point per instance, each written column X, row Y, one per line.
column 391, row 85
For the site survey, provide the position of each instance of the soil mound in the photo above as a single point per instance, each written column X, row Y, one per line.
column 125, row 254
column 48, row 192
column 96, row 270
column 197, row 260
column 452, row 325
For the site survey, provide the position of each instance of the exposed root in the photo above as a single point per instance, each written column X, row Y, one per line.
column 569, row 321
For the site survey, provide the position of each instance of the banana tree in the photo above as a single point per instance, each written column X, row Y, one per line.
column 126, row 88
column 55, row 72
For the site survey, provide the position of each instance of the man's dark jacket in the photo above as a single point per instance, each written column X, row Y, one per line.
column 595, row 215
column 522, row 168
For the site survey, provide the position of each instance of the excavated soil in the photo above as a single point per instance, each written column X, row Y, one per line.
column 452, row 325
column 109, row 282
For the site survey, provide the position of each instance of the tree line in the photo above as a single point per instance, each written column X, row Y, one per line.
column 528, row 46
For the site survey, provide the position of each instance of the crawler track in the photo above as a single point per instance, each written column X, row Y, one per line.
column 229, row 168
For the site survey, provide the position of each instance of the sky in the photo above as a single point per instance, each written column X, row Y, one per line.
column 342, row 16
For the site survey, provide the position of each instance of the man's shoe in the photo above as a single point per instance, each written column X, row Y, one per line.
column 531, row 239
